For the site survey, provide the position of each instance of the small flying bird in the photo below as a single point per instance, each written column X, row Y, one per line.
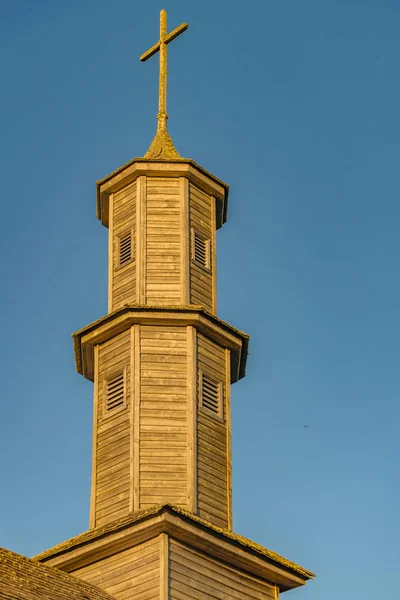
column 306, row 426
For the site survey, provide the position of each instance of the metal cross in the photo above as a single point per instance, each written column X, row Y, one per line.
column 161, row 46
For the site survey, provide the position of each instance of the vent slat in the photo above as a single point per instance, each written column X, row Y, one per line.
column 201, row 250
column 115, row 391
column 125, row 249
column 211, row 395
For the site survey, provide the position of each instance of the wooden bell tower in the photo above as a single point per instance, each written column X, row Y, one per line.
column 161, row 361
column 162, row 364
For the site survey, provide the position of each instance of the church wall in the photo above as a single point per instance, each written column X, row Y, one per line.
column 133, row 573
column 200, row 220
column 112, row 450
column 163, row 241
column 163, row 417
column 213, row 470
column 193, row 575
column 123, row 221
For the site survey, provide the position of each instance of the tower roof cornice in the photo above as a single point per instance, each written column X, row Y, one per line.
column 184, row 526
column 181, row 167
column 122, row 319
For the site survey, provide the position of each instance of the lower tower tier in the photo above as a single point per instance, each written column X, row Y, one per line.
column 166, row 553
column 161, row 410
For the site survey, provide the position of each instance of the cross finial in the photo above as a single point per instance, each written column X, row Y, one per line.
column 162, row 147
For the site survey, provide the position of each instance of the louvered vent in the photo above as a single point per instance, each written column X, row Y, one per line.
column 201, row 250
column 125, row 249
column 115, row 391
column 211, row 395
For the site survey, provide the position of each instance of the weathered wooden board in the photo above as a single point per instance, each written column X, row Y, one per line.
column 133, row 573
column 196, row 576
column 163, row 418
column 112, row 456
column 200, row 219
column 123, row 278
column 163, row 241
column 212, row 456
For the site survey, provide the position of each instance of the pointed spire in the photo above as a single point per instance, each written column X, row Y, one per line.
column 162, row 147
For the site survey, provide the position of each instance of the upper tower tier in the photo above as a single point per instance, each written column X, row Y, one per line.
column 162, row 219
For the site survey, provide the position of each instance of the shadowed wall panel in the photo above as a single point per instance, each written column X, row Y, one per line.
column 200, row 220
column 212, row 456
column 195, row 576
column 113, row 428
column 124, row 222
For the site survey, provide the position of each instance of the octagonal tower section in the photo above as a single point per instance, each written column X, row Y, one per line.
column 162, row 424
column 162, row 219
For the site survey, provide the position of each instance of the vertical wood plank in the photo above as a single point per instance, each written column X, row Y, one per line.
column 228, row 433
column 110, row 252
column 136, row 419
column 164, row 566
column 92, row 518
column 214, row 253
column 192, row 419
column 185, row 275
column 141, row 244
column 138, row 238
column 132, row 420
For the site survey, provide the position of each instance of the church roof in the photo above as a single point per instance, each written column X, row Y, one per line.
column 22, row 578
column 124, row 522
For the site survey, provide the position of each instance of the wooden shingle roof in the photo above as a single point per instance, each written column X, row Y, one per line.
column 22, row 578
column 136, row 516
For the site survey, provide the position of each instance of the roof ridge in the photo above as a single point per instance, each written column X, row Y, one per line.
column 134, row 516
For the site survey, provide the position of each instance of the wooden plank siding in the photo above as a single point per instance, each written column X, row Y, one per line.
column 133, row 573
column 212, row 455
column 112, row 456
column 163, row 415
column 195, row 576
column 163, row 241
column 123, row 221
column 200, row 219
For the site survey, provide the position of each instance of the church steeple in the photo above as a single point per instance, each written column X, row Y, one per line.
column 162, row 147
column 161, row 361
column 162, row 364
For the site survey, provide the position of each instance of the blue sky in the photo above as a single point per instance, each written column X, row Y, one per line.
column 296, row 105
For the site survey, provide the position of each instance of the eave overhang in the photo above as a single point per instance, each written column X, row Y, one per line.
column 122, row 319
column 185, row 527
column 160, row 168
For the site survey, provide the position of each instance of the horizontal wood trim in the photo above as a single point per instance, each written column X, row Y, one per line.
column 108, row 428
column 160, row 358
column 220, row 579
column 114, row 449
column 212, row 348
column 163, row 466
column 212, row 433
column 114, row 467
column 115, row 490
column 178, row 441
column 218, row 471
column 147, row 501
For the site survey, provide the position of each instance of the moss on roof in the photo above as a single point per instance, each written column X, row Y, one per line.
column 136, row 516
column 126, row 308
column 151, row 307
column 23, row 578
